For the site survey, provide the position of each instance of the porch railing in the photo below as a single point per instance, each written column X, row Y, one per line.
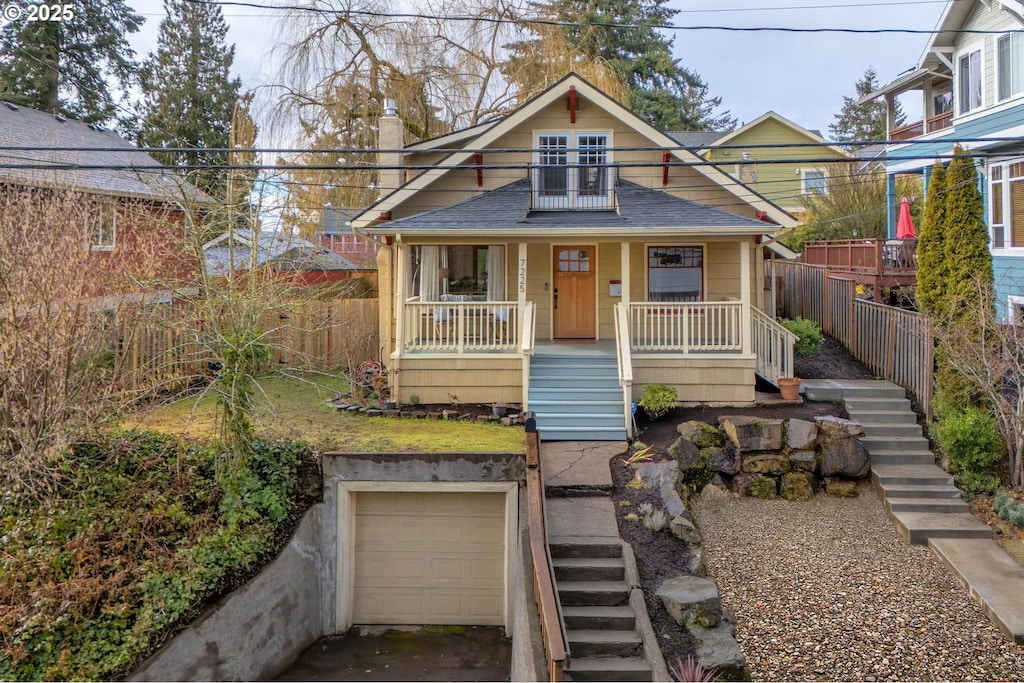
column 773, row 345
column 686, row 327
column 461, row 326
column 624, row 360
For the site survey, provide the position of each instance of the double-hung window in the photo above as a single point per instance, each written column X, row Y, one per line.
column 101, row 227
column 1010, row 49
column 1006, row 204
column 969, row 90
column 813, row 182
column 572, row 171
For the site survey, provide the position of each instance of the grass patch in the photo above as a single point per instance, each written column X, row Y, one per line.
column 143, row 532
column 295, row 409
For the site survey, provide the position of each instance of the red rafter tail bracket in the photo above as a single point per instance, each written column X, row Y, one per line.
column 572, row 104
column 478, row 159
column 666, row 157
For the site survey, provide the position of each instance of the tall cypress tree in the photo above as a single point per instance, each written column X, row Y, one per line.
column 931, row 264
column 970, row 283
column 189, row 93
column 69, row 66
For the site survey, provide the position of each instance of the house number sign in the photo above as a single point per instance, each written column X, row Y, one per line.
column 522, row 276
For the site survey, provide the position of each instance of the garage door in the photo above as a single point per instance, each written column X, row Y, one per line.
column 429, row 558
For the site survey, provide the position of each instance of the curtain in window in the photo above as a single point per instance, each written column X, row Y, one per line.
column 430, row 272
column 1011, row 75
column 495, row 272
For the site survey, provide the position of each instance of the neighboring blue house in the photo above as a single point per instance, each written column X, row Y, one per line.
column 972, row 87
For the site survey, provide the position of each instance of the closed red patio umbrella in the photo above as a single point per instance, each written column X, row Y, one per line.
column 905, row 224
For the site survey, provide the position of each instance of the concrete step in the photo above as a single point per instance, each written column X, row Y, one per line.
column 917, row 527
column 584, row 546
column 919, row 491
column 576, row 420
column 995, row 580
column 902, row 458
column 880, row 405
column 617, row 617
column 912, row 504
column 571, row 433
column 877, row 430
column 589, row 568
column 838, row 390
column 609, row 669
column 917, row 475
column 894, row 443
column 604, row 643
column 592, row 592
column 550, row 405
column 895, row 416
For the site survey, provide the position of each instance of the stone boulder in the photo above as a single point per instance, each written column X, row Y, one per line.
column 685, row 452
column 840, row 488
column 801, row 435
column 716, row 648
column 685, row 530
column 752, row 433
column 692, row 601
column 766, row 463
column 701, row 434
column 695, row 562
column 803, row 461
column 723, row 459
column 663, row 476
column 797, row 486
column 841, row 452
column 763, row 487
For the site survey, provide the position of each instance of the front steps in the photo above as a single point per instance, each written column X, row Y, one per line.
column 590, row 577
column 576, row 397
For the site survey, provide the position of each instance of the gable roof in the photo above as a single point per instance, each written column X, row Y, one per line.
column 508, row 208
column 284, row 251
column 105, row 163
column 600, row 99
column 953, row 16
column 813, row 135
column 698, row 139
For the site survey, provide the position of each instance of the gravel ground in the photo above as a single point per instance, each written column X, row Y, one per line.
column 826, row 590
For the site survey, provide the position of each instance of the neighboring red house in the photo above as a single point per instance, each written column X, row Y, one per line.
column 339, row 238
column 131, row 208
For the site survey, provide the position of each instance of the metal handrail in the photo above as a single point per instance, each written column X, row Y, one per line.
column 556, row 642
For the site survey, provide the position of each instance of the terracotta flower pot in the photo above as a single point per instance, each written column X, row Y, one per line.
column 789, row 387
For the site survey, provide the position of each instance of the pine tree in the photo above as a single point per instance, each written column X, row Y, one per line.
column 931, row 264
column 867, row 121
column 189, row 93
column 661, row 90
column 68, row 67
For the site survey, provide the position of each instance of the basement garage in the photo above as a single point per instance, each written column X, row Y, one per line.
column 436, row 554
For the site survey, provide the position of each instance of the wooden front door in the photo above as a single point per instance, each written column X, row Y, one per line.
column 574, row 293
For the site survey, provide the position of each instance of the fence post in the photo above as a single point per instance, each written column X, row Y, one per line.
column 890, row 350
column 826, row 303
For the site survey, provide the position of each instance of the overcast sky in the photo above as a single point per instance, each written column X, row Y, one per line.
column 801, row 76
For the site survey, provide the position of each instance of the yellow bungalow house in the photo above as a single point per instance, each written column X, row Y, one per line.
column 766, row 154
column 564, row 257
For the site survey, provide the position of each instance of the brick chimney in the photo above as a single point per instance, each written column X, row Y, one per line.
column 390, row 136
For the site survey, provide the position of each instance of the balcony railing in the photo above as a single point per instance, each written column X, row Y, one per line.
column 919, row 128
column 686, row 327
column 863, row 257
column 572, row 188
column 461, row 326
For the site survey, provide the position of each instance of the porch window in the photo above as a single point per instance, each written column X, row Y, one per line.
column 101, row 227
column 675, row 273
column 458, row 272
column 969, row 79
column 1011, row 65
column 572, row 171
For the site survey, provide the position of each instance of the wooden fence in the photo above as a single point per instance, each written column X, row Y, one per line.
column 894, row 343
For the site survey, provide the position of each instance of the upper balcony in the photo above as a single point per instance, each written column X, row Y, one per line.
column 934, row 87
column 572, row 188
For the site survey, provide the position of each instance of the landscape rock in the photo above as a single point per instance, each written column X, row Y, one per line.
column 434, row 415
column 685, row 453
column 506, row 421
column 392, row 413
column 763, row 487
column 701, row 434
column 717, row 649
column 695, row 563
column 692, row 601
column 419, row 414
column 840, row 488
column 803, row 461
column 801, row 435
column 663, row 476
column 797, row 486
column 724, row 459
column 766, row 463
column 752, row 433
column 685, row 530
column 842, row 454
column 741, row 483
column 831, row 427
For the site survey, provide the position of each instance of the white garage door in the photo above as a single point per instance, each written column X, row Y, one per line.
column 429, row 558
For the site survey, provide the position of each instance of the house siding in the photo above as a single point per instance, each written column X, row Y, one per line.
column 697, row 380
column 1009, row 278
column 468, row 379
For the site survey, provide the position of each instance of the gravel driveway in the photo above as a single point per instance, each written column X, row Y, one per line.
column 826, row 590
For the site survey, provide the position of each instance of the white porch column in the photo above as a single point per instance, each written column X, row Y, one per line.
column 401, row 278
column 745, row 312
column 521, row 285
column 624, row 254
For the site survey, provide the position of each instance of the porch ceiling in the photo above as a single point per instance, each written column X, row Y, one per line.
column 507, row 209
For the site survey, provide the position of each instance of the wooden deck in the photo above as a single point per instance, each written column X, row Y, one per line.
column 880, row 263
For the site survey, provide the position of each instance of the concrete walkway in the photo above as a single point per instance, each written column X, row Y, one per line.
column 921, row 500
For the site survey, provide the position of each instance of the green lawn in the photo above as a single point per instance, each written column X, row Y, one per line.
column 294, row 408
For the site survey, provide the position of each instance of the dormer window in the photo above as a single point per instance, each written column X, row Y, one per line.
column 969, row 91
column 572, row 171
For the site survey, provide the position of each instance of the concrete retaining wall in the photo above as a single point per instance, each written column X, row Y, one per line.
column 258, row 629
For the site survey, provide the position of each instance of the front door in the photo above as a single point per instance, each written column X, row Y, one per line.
column 574, row 293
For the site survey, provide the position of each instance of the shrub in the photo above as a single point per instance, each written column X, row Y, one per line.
column 658, row 399
column 808, row 335
column 971, row 441
column 656, row 520
column 1009, row 510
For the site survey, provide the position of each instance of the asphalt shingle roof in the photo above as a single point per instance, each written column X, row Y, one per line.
column 24, row 127
column 698, row 139
column 508, row 208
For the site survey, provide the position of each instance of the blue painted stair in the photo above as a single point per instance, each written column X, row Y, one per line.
column 576, row 398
